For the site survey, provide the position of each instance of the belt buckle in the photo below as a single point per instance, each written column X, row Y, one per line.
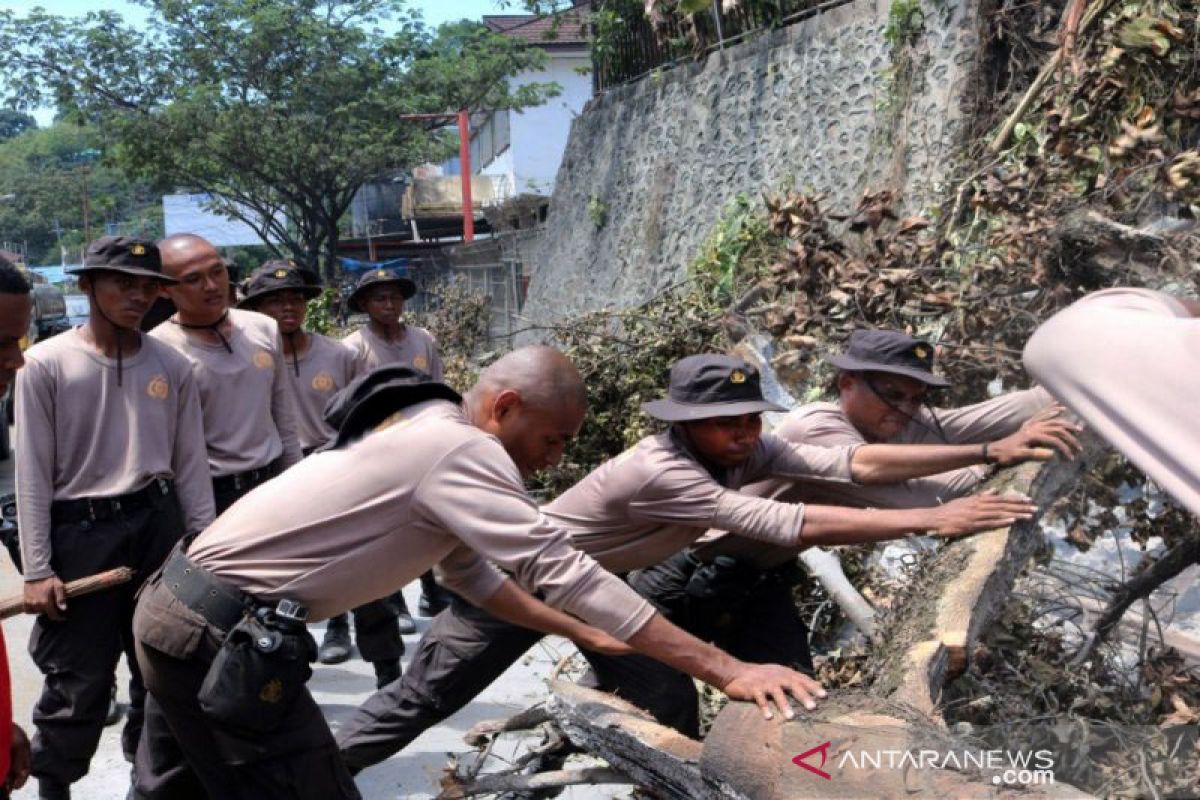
column 115, row 506
column 161, row 483
column 91, row 510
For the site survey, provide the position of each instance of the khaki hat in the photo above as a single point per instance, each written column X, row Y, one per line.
column 127, row 254
column 376, row 277
column 278, row 276
column 889, row 351
column 711, row 385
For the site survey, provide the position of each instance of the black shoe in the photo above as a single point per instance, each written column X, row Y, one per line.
column 114, row 708
column 53, row 790
column 432, row 605
column 335, row 647
column 386, row 672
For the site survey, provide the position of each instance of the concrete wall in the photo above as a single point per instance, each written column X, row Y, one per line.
column 804, row 105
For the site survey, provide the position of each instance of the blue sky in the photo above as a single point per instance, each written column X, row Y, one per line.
column 435, row 12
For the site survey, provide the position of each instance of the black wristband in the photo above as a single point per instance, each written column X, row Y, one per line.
column 987, row 459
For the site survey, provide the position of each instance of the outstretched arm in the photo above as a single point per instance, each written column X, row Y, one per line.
column 1038, row 439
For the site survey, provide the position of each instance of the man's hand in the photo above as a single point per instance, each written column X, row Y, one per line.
column 981, row 512
column 19, row 763
column 770, row 683
column 598, row 641
column 1042, row 435
column 47, row 596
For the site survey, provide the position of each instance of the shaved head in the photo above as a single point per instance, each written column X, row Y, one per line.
column 534, row 401
column 544, row 377
column 202, row 294
column 182, row 249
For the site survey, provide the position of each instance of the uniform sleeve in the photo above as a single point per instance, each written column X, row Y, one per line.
column 469, row 575
column 283, row 411
column 354, row 343
column 984, row 422
column 35, row 447
column 684, row 493
column 475, row 493
column 804, row 462
column 189, row 459
column 1126, row 362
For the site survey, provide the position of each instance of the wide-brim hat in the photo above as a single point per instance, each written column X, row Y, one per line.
column 126, row 254
column 374, row 396
column 278, row 276
column 889, row 351
column 376, row 277
column 711, row 385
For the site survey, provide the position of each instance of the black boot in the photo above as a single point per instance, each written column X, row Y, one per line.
column 434, row 599
column 335, row 647
column 53, row 790
column 404, row 618
column 386, row 671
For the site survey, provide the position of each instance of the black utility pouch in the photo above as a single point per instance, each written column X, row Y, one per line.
column 723, row 579
column 258, row 673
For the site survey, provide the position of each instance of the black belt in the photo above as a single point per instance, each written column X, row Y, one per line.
column 245, row 481
column 94, row 509
column 198, row 589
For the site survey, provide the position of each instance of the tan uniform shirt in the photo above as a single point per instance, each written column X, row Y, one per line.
column 347, row 526
column 1128, row 362
column 324, row 368
column 416, row 348
column 79, row 434
column 248, row 416
column 655, row 499
column 827, row 425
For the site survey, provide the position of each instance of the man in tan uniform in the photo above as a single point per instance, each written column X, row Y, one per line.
column 387, row 339
column 1125, row 361
column 318, row 367
column 656, row 499
column 110, row 472
column 439, row 483
column 731, row 589
column 237, row 356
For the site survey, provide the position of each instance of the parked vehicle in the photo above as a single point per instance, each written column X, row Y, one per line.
column 49, row 311
column 77, row 309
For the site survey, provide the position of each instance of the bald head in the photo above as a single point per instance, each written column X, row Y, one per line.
column 544, row 377
column 184, row 248
column 533, row 401
column 202, row 294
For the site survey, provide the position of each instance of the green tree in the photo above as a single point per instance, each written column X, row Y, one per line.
column 14, row 123
column 48, row 176
column 280, row 109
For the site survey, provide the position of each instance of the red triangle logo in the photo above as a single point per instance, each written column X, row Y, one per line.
column 823, row 750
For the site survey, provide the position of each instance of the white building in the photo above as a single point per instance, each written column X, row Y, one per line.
column 523, row 149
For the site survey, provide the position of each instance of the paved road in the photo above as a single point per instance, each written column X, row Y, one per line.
column 413, row 773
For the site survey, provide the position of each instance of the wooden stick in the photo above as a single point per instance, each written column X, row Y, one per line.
column 13, row 606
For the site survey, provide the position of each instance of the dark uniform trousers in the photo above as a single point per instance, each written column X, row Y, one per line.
column 175, row 647
column 376, row 630
column 461, row 654
column 79, row 655
column 747, row 612
column 228, row 489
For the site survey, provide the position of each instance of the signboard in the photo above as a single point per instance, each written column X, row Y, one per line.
column 186, row 213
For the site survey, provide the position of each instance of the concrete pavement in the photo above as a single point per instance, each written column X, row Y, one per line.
column 414, row 773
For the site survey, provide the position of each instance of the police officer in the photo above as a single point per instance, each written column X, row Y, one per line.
column 237, row 356
column 110, row 472
column 734, row 590
column 1125, row 360
column 387, row 339
column 437, row 482
column 317, row 367
column 651, row 502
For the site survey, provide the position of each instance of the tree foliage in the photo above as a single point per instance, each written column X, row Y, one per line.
column 14, row 123
column 45, row 174
column 280, row 109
